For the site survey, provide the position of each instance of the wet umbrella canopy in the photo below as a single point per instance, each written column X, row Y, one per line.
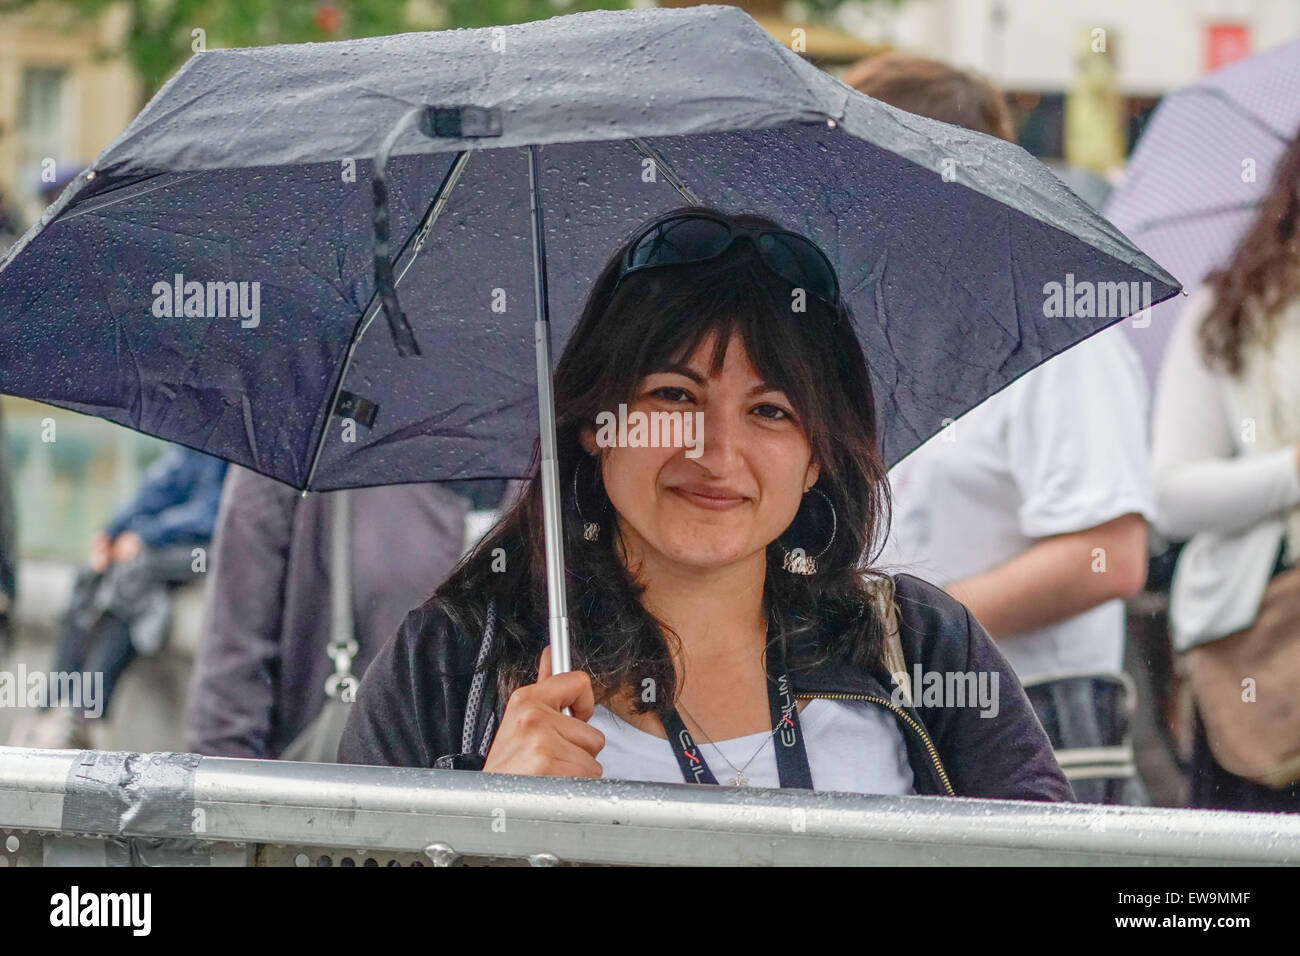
column 251, row 167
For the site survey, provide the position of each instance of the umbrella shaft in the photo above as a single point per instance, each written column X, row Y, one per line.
column 552, row 527
column 557, row 605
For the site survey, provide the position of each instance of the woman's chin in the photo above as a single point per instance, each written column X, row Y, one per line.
column 703, row 541
column 705, row 554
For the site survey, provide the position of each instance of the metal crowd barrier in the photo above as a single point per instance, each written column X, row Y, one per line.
column 62, row 807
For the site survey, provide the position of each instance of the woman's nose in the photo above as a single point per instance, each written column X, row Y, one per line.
column 723, row 442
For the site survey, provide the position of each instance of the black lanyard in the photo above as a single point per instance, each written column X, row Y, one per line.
column 791, row 756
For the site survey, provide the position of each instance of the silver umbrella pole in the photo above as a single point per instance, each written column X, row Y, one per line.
column 558, row 610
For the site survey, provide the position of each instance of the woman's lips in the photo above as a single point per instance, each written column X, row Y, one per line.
column 712, row 499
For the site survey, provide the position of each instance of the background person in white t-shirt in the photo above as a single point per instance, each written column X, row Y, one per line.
column 1031, row 509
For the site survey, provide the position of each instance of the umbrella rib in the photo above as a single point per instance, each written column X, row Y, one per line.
column 109, row 196
column 1161, row 222
column 670, row 174
column 1236, row 106
column 414, row 244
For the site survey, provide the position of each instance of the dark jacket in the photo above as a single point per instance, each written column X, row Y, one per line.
column 411, row 706
column 261, row 666
column 176, row 502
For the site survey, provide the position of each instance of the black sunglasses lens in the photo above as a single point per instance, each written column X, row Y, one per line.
column 800, row 263
column 688, row 239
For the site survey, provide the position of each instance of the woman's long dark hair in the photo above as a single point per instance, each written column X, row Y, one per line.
column 656, row 316
column 1264, row 273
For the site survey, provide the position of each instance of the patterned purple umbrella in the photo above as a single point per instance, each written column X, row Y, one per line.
column 1198, row 173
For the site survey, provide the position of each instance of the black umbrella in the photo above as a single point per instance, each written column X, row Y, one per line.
column 211, row 277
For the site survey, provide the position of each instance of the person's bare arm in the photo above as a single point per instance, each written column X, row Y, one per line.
column 1058, row 577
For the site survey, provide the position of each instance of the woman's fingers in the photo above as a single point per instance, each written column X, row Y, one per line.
column 581, row 734
column 571, row 689
column 567, row 760
column 537, row 737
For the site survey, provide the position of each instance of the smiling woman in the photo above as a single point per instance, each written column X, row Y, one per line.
column 719, row 596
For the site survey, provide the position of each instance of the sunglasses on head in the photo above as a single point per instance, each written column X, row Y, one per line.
column 699, row 236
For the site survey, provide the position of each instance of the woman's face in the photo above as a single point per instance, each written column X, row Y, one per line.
column 725, row 500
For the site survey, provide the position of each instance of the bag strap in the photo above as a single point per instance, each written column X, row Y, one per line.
column 342, row 647
column 882, row 593
column 477, row 684
column 1286, row 429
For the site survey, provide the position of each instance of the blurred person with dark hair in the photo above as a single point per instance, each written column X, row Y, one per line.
column 1031, row 509
column 1226, row 464
column 276, row 667
column 121, row 605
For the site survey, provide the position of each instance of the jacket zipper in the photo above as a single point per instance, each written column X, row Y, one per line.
column 911, row 722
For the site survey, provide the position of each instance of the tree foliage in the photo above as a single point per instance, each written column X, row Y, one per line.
column 161, row 33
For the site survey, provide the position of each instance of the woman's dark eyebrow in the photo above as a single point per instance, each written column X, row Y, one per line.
column 683, row 370
column 698, row 379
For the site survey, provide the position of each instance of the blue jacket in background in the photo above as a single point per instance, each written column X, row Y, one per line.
column 177, row 500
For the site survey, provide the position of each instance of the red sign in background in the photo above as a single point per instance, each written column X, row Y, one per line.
column 1225, row 43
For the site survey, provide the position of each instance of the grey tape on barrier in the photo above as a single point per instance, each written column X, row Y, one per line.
column 139, row 851
column 130, row 794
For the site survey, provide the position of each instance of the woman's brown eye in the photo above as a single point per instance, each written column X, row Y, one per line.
column 774, row 412
column 671, row 393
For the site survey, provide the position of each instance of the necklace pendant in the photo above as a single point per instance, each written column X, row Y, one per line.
column 738, row 781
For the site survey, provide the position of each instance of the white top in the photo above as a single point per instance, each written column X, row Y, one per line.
column 1208, row 475
column 1061, row 449
column 1220, row 476
column 852, row 745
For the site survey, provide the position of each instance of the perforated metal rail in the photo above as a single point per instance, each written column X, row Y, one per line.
column 107, row 808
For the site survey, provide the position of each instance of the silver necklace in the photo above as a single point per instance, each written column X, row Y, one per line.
column 739, row 780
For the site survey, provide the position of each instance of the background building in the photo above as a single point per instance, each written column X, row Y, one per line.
column 60, row 101
column 1040, row 51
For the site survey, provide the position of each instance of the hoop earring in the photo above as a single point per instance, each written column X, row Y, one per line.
column 590, row 529
column 797, row 561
